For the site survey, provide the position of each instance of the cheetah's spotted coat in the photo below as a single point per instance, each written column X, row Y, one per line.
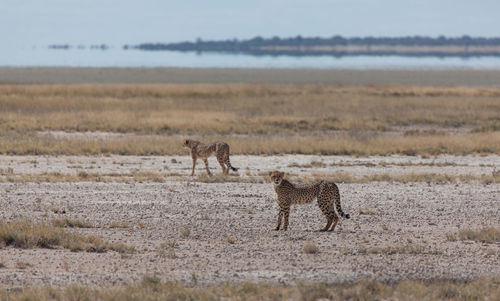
column 203, row 151
column 287, row 194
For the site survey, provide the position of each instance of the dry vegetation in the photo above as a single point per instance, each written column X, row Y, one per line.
column 254, row 119
column 156, row 177
column 25, row 234
column 71, row 223
column 484, row 235
column 152, row 288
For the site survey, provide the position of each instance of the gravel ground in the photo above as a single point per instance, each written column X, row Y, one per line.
column 214, row 232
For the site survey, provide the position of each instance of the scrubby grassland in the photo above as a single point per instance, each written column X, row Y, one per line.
column 152, row 288
column 253, row 118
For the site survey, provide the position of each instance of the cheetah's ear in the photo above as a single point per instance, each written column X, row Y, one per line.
column 270, row 173
column 282, row 174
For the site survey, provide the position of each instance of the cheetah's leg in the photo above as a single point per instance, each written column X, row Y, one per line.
column 194, row 165
column 328, row 224
column 280, row 215
column 327, row 206
column 286, row 214
column 206, row 165
column 334, row 223
column 221, row 162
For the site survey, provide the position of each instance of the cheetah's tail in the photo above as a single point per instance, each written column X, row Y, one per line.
column 228, row 163
column 339, row 210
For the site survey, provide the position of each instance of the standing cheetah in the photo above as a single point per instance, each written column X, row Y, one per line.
column 287, row 194
column 203, row 151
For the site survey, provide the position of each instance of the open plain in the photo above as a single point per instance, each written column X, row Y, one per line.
column 212, row 230
column 96, row 201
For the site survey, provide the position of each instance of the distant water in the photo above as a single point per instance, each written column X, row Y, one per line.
column 118, row 57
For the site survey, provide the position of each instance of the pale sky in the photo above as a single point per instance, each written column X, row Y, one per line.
column 118, row 22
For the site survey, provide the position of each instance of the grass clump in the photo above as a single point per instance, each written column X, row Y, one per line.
column 71, row 223
column 26, row 235
column 485, row 235
column 310, row 248
column 368, row 211
column 186, row 231
column 116, row 224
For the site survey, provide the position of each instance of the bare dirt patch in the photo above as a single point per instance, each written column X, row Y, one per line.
column 208, row 233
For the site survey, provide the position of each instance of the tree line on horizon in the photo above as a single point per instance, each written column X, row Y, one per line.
column 302, row 45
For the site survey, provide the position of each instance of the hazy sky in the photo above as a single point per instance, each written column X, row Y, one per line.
column 118, row 22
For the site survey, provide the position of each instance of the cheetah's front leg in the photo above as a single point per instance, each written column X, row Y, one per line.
column 206, row 165
column 280, row 215
column 194, row 165
column 286, row 214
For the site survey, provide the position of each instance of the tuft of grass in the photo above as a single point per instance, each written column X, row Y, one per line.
column 117, row 224
column 367, row 211
column 22, row 265
column 310, row 248
column 451, row 237
column 26, row 235
column 71, row 223
column 484, row 235
column 186, row 231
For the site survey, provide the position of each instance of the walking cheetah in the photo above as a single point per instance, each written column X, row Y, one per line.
column 325, row 192
column 203, row 151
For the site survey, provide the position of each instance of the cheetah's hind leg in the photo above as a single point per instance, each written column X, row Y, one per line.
column 221, row 162
column 328, row 224
column 336, row 218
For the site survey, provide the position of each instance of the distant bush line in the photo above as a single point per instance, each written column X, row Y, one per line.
column 339, row 46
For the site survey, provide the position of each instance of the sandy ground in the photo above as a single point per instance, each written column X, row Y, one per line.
column 68, row 75
column 230, row 224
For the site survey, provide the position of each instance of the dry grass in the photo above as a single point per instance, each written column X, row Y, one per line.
column 310, row 248
column 221, row 178
column 358, row 143
column 398, row 249
column 340, row 177
column 25, row 234
column 320, row 119
column 185, row 231
column 71, row 223
column 117, row 224
column 368, row 211
column 153, row 288
column 345, row 177
column 484, row 235
column 53, row 177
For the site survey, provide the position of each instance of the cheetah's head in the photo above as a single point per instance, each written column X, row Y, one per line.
column 186, row 143
column 276, row 176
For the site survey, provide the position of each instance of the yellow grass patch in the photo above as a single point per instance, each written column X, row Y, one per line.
column 153, row 288
column 25, row 234
column 253, row 118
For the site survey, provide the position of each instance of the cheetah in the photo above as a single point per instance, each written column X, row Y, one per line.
column 287, row 194
column 203, row 151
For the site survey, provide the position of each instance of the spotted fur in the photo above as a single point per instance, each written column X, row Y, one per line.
column 203, row 151
column 287, row 194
